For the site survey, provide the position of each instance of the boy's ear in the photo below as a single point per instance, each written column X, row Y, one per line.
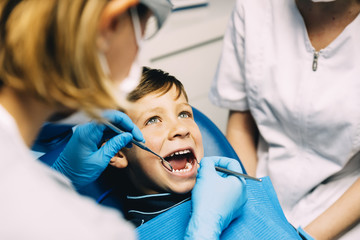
column 119, row 160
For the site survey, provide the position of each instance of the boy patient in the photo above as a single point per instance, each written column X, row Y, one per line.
column 159, row 107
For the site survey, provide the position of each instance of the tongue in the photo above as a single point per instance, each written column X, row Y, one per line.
column 178, row 162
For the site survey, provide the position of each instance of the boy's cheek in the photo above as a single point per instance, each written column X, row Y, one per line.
column 199, row 158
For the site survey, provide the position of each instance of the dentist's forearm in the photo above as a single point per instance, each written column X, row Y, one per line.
column 339, row 217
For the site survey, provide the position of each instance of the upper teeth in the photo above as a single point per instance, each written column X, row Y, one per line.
column 180, row 152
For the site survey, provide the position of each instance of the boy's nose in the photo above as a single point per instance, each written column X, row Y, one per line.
column 178, row 130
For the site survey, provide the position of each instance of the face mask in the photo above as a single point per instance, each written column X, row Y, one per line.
column 130, row 82
column 134, row 76
column 133, row 79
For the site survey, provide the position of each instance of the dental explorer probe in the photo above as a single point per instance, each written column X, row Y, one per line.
column 165, row 163
column 224, row 170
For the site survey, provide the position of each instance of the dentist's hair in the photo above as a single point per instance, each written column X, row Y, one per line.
column 48, row 49
column 156, row 81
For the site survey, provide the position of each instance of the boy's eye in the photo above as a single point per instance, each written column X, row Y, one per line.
column 185, row 115
column 152, row 120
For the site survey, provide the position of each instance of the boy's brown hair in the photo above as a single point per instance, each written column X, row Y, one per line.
column 156, row 81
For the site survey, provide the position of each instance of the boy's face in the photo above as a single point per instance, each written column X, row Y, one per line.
column 169, row 129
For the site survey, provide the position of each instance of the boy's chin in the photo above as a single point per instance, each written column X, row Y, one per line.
column 182, row 189
column 181, row 192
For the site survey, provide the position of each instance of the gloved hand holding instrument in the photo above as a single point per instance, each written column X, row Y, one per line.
column 217, row 197
column 82, row 161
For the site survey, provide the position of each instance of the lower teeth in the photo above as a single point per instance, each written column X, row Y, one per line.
column 187, row 168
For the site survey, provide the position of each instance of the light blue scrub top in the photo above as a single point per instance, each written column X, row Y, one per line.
column 309, row 120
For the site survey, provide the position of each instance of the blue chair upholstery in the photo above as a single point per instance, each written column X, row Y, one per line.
column 214, row 141
column 53, row 138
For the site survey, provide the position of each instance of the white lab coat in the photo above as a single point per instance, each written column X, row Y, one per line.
column 38, row 203
column 309, row 120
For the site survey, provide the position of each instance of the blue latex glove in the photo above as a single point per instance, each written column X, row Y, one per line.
column 82, row 161
column 217, row 198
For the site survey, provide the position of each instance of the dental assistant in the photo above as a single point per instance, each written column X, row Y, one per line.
column 57, row 57
column 289, row 74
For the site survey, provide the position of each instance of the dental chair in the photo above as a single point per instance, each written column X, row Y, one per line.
column 262, row 217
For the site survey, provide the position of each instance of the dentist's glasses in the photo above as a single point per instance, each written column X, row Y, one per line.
column 144, row 22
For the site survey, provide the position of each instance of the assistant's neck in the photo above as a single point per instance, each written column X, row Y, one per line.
column 29, row 113
column 326, row 20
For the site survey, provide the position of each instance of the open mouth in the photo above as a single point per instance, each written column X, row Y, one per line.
column 181, row 161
